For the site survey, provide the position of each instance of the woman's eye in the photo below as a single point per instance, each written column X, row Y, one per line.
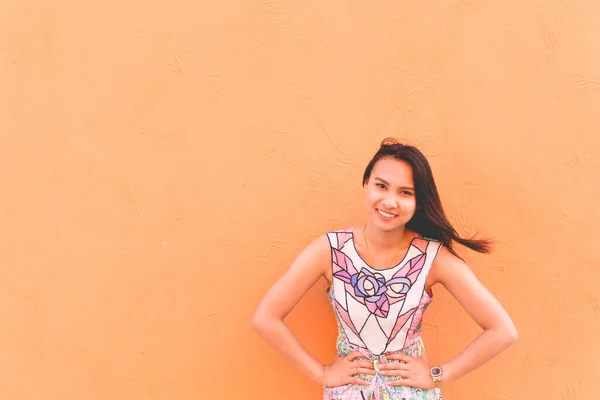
column 407, row 193
column 381, row 185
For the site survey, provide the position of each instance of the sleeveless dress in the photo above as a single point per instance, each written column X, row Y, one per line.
column 379, row 311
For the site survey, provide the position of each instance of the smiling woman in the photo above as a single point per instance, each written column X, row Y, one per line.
column 380, row 276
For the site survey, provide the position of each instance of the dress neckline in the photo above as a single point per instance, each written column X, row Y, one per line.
column 417, row 236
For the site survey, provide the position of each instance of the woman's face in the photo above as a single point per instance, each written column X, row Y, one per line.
column 390, row 194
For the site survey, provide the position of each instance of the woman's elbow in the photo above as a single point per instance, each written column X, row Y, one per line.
column 257, row 322
column 511, row 334
column 262, row 321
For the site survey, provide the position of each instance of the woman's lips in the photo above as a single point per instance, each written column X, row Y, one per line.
column 385, row 215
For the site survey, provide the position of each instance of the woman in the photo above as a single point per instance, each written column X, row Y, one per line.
column 380, row 276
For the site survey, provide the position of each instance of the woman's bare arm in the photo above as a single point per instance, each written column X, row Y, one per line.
column 312, row 263
column 499, row 332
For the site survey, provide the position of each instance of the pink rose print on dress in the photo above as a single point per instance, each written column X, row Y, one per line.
column 376, row 292
column 371, row 288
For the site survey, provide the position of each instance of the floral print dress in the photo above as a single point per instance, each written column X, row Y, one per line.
column 379, row 311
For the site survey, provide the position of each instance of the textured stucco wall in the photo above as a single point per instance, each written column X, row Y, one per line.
column 161, row 163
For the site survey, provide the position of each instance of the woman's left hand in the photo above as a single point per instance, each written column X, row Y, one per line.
column 410, row 371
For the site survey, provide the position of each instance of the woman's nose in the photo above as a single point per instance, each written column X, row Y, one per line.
column 390, row 202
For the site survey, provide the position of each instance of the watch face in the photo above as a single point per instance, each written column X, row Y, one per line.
column 436, row 371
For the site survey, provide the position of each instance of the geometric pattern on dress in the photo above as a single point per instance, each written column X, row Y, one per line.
column 375, row 294
column 369, row 302
column 414, row 331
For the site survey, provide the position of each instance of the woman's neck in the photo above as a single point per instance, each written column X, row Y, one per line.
column 384, row 240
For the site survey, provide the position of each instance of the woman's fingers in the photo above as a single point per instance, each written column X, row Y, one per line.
column 395, row 372
column 393, row 367
column 400, row 382
column 364, row 364
column 363, row 371
column 355, row 354
column 361, row 382
column 399, row 356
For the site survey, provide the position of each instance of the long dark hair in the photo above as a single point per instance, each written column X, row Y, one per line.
column 429, row 219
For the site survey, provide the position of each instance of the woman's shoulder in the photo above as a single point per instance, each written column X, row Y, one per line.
column 447, row 263
column 336, row 238
column 349, row 229
column 340, row 232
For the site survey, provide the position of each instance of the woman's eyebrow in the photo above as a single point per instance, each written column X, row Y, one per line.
column 387, row 183
column 382, row 180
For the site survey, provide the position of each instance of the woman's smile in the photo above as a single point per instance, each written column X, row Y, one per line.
column 385, row 215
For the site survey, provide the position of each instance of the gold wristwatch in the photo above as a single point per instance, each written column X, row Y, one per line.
column 436, row 374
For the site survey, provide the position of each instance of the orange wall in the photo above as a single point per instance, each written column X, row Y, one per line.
column 161, row 164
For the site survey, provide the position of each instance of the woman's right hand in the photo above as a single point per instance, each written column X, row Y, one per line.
column 342, row 370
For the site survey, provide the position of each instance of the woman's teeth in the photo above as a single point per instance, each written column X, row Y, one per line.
column 386, row 215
